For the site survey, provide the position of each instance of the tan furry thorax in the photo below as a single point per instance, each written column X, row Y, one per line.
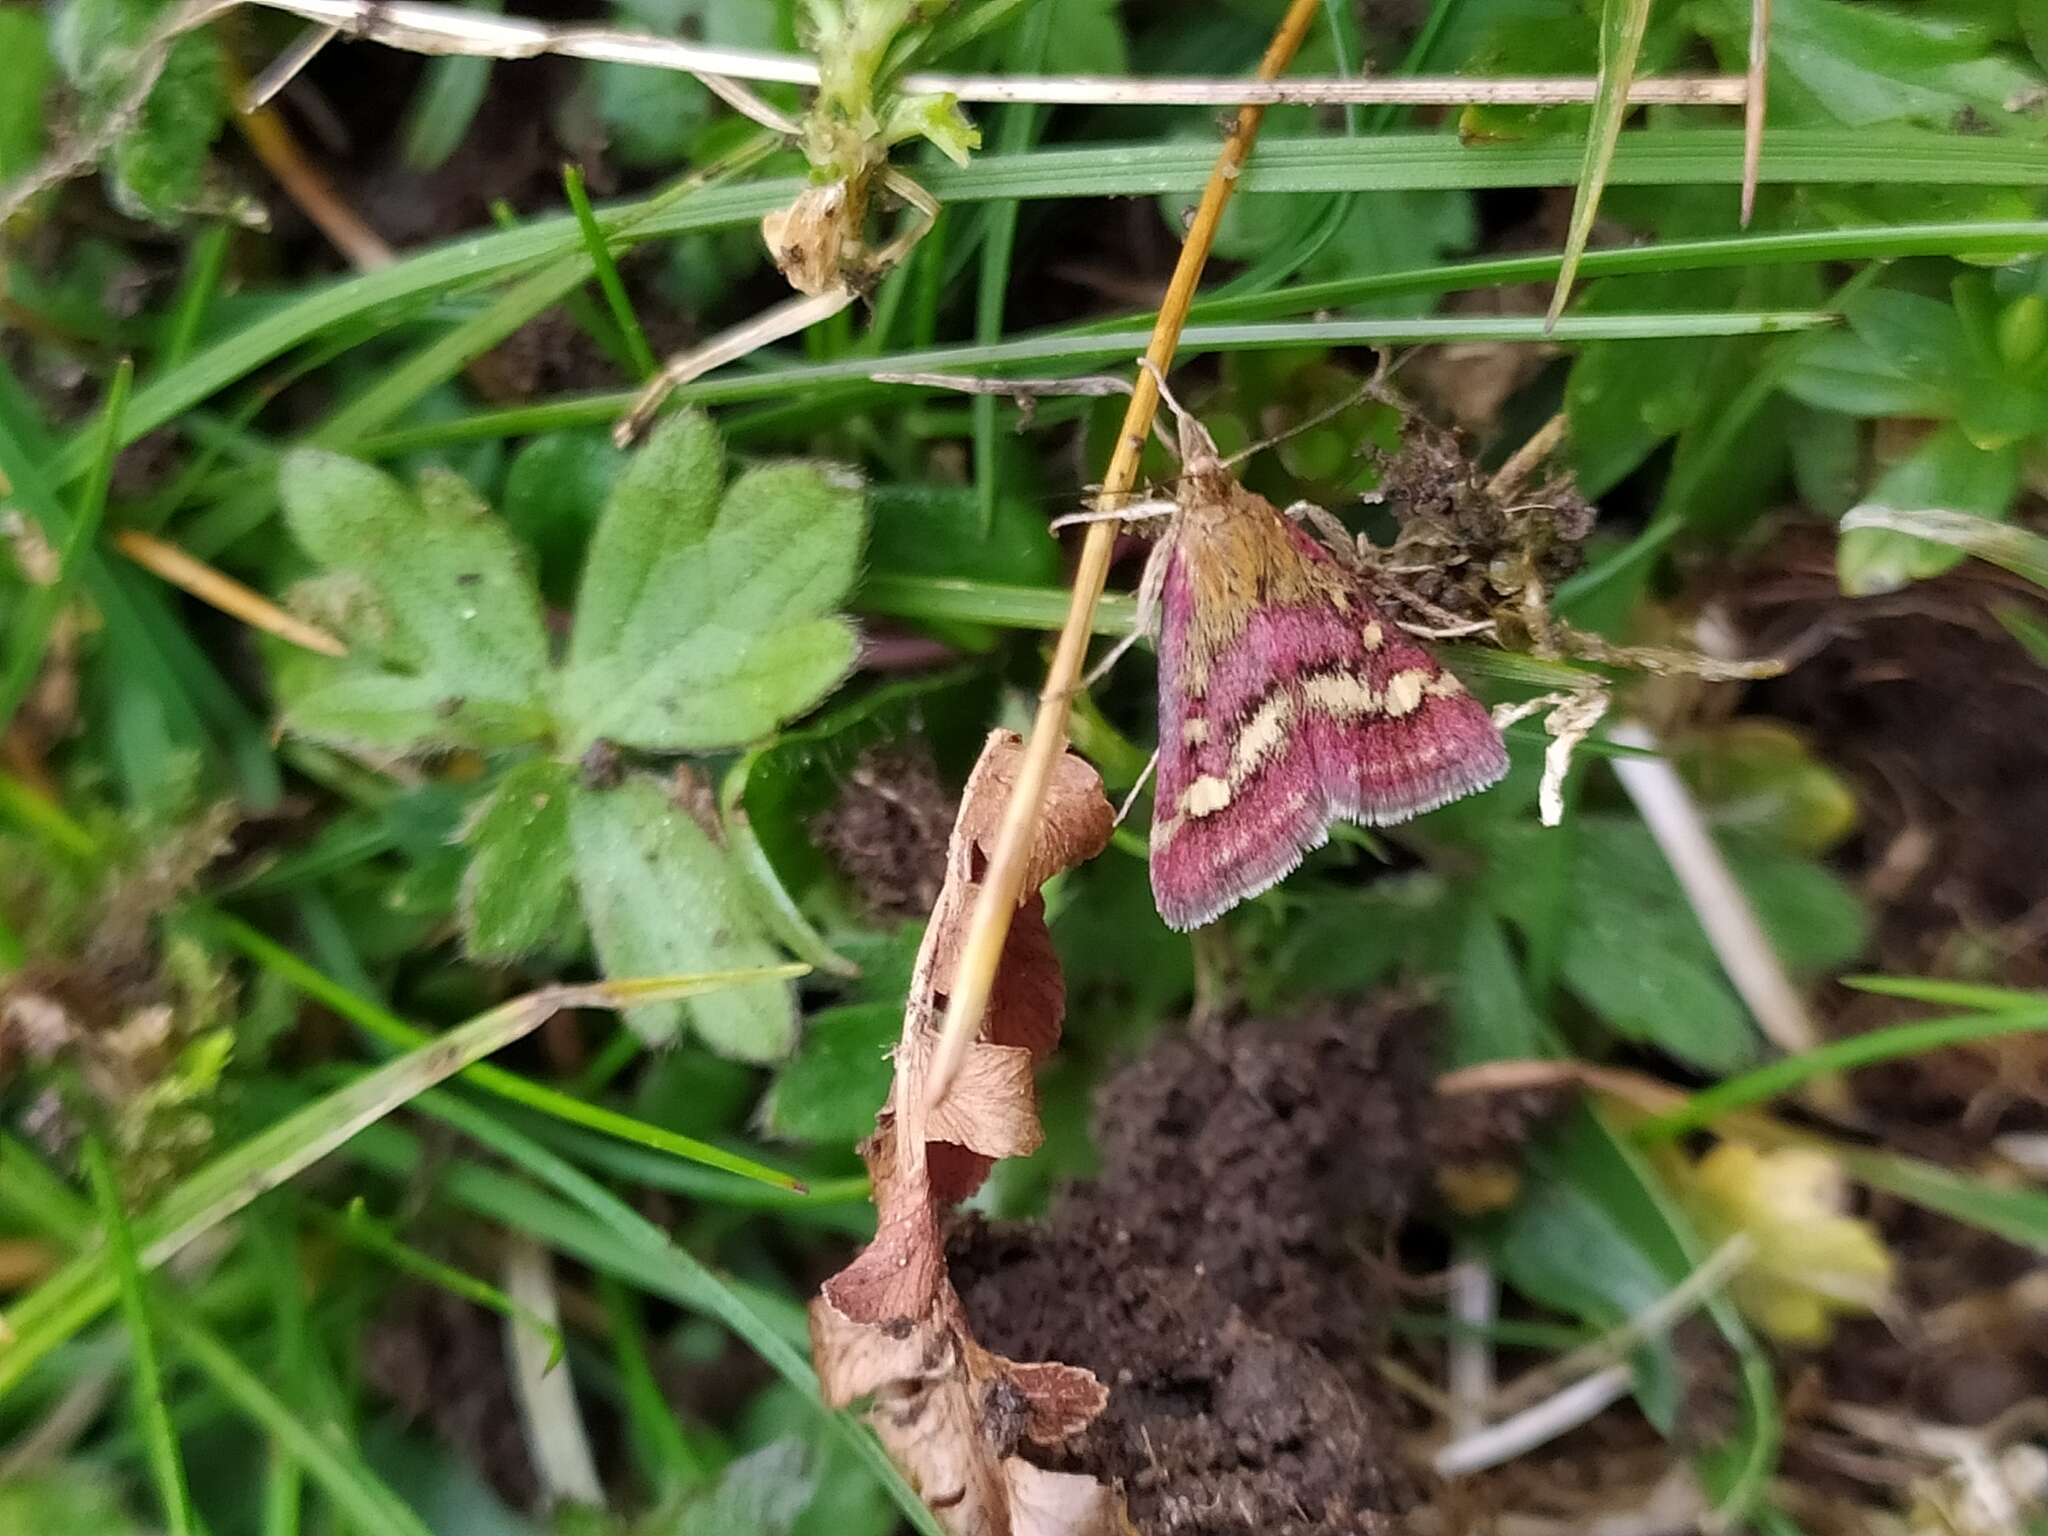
column 1239, row 555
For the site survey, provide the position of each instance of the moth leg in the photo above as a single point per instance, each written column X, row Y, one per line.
column 1137, row 511
column 1331, row 527
column 1455, row 631
column 1138, row 788
column 1150, row 586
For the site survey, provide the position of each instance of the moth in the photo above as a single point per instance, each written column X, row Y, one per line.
column 1287, row 699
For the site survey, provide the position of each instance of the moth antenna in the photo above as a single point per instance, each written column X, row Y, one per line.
column 1197, row 448
column 1368, row 390
column 1138, row 788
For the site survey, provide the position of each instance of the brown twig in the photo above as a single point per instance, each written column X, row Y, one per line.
column 1753, row 102
column 990, row 924
column 172, row 564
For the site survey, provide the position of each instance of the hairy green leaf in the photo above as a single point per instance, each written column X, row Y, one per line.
column 464, row 655
column 554, row 490
column 704, row 621
column 660, row 895
column 517, row 895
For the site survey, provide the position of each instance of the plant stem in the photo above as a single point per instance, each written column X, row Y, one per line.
column 989, row 926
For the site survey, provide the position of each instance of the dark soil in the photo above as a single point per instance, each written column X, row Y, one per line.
column 440, row 1361
column 1224, row 1276
column 889, row 828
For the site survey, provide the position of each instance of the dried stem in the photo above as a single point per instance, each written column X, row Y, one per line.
column 172, row 564
column 429, row 28
column 1732, row 927
column 989, row 926
column 1753, row 102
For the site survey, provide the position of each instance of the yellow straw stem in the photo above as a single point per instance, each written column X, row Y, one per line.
column 989, row 927
column 223, row 592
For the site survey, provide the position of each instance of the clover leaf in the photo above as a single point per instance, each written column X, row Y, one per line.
column 707, row 615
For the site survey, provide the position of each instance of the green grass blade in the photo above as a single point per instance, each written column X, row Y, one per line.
column 1013, row 136
column 2019, row 1215
column 356, row 1226
column 1622, row 25
column 204, row 265
column 666, row 1459
column 1948, row 994
column 1782, row 1077
column 450, row 92
column 607, row 270
column 146, row 1374
column 647, row 1260
column 391, row 1029
column 32, row 634
column 1653, row 157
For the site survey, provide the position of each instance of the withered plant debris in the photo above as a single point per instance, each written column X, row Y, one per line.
column 1229, row 1273
column 1466, row 552
column 889, row 1327
column 888, row 830
column 140, row 1018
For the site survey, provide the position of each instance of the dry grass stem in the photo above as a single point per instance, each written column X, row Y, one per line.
column 428, row 28
column 990, row 925
column 181, row 570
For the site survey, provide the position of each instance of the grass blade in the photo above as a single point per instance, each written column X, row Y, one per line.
column 344, row 1476
column 1782, row 1077
column 607, row 271
column 393, row 1030
column 146, row 1375
column 2019, row 550
column 1622, row 25
column 1948, row 994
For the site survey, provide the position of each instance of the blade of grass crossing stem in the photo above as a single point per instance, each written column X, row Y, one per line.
column 1622, row 25
column 387, row 1026
column 145, row 1373
column 578, row 305
column 1653, row 157
column 398, row 389
column 1019, row 126
column 57, row 1308
column 607, row 270
column 1782, row 1077
column 32, row 634
column 328, row 1457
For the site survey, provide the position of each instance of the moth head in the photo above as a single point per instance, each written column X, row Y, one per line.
column 1198, row 455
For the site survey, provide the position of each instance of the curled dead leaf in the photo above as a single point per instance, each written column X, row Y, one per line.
column 888, row 1328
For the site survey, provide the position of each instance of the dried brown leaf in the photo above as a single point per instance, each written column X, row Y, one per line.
column 888, row 1328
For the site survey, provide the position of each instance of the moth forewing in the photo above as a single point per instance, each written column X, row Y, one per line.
column 1287, row 701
